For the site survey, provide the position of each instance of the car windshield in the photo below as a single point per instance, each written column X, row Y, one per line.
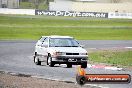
column 63, row 42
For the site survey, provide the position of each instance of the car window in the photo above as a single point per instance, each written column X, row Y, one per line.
column 45, row 42
column 42, row 39
column 63, row 42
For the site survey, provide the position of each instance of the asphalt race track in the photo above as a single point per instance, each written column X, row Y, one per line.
column 16, row 56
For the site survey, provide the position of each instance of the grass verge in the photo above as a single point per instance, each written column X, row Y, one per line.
column 116, row 58
column 32, row 27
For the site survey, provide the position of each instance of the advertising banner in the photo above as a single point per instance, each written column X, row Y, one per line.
column 120, row 15
column 72, row 14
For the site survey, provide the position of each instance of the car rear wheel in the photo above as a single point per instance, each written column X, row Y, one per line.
column 35, row 53
column 36, row 60
column 69, row 65
column 50, row 62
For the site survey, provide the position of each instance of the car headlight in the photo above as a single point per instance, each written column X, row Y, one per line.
column 83, row 54
column 58, row 54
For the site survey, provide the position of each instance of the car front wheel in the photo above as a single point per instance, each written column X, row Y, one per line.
column 69, row 65
column 84, row 65
column 49, row 61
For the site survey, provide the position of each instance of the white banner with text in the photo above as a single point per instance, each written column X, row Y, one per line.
column 120, row 15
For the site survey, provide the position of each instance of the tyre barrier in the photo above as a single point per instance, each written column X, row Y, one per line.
column 82, row 77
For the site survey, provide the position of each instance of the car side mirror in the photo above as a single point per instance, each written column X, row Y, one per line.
column 82, row 46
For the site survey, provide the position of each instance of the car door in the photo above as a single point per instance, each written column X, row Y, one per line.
column 44, row 46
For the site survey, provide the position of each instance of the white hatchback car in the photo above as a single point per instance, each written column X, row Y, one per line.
column 60, row 50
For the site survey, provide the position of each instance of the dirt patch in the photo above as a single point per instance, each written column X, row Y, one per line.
column 10, row 81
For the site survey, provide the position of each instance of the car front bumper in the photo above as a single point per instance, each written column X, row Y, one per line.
column 69, row 59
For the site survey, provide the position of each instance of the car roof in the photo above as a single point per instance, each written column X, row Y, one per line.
column 58, row 36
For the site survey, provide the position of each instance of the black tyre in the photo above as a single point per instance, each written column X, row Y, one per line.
column 49, row 61
column 81, row 80
column 69, row 65
column 36, row 60
column 35, row 55
column 84, row 65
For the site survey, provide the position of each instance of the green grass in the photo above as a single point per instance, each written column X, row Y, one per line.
column 31, row 5
column 27, row 5
column 123, row 58
column 32, row 27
